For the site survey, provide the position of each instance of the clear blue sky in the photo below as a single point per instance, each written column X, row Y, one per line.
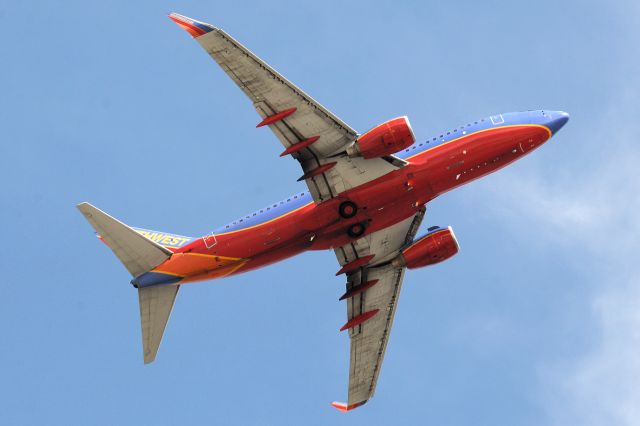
column 534, row 322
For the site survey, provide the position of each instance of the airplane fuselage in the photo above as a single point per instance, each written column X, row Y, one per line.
column 289, row 227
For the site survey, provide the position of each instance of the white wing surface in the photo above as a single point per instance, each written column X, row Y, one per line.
column 372, row 296
column 309, row 132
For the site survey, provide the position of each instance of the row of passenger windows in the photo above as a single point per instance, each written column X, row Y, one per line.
column 295, row 197
column 441, row 136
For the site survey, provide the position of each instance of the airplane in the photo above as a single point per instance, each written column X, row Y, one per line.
column 366, row 198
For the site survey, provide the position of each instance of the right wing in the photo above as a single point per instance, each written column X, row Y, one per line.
column 372, row 297
column 310, row 133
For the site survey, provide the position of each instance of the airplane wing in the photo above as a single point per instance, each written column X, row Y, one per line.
column 372, row 296
column 309, row 132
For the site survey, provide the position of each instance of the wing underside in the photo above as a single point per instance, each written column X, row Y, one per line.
column 309, row 132
column 372, row 294
column 369, row 340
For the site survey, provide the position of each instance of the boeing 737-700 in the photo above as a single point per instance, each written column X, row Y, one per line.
column 365, row 201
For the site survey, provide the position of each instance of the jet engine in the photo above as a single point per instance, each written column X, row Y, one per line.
column 385, row 139
column 438, row 245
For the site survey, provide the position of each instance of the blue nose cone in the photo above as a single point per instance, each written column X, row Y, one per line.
column 557, row 119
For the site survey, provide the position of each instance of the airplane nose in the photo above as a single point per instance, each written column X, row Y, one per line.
column 557, row 119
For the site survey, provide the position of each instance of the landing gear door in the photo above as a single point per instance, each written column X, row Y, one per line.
column 210, row 240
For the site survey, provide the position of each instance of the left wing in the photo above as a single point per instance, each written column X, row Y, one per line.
column 309, row 132
column 372, row 296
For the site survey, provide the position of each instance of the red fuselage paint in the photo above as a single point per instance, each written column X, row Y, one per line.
column 381, row 203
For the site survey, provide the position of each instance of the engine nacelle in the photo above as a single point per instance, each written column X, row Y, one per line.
column 438, row 245
column 385, row 139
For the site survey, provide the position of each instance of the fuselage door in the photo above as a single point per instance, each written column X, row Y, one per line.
column 210, row 240
column 497, row 119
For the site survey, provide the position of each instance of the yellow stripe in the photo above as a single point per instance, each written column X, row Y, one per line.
column 236, row 268
column 211, row 255
column 269, row 221
column 480, row 131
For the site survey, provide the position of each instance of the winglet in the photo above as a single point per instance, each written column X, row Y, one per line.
column 344, row 407
column 193, row 27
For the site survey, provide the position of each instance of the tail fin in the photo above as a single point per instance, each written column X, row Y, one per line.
column 139, row 254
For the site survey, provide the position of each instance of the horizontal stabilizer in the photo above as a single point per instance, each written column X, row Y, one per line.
column 138, row 253
column 155, row 308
